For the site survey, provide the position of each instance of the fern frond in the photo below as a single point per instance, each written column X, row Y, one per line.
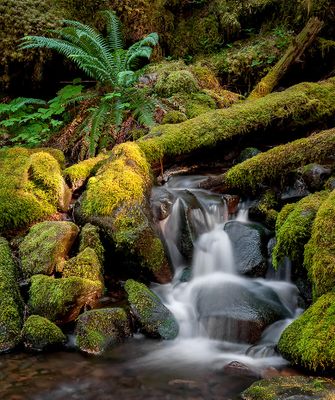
column 114, row 30
column 142, row 106
column 97, row 118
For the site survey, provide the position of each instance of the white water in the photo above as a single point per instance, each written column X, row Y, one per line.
column 215, row 292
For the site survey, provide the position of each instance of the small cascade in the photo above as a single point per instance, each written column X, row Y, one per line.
column 226, row 313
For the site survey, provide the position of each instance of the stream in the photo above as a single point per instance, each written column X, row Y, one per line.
column 230, row 317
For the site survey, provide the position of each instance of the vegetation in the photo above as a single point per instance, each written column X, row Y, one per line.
column 116, row 69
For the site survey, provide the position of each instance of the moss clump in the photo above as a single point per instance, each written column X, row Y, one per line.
column 98, row 330
column 116, row 200
column 90, row 237
column 174, row 117
column 289, row 386
column 60, row 300
column 293, row 228
column 320, row 250
column 31, row 187
column 85, row 265
column 300, row 105
column 309, row 340
column 11, row 304
column 39, row 333
column 176, row 82
column 265, row 210
column 154, row 317
column 46, row 246
column 272, row 166
column 78, row 174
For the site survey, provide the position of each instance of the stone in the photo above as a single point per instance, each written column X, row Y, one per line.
column 314, row 175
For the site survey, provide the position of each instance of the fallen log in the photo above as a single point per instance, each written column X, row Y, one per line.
column 303, row 40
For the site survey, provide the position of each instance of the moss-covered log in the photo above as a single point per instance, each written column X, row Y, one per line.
column 292, row 55
column 299, row 106
column 320, row 250
column 270, row 167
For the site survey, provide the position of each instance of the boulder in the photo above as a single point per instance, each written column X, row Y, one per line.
column 90, row 237
column 236, row 309
column 39, row 333
column 11, row 303
column 247, row 153
column 154, row 318
column 31, row 186
column 98, row 330
column 44, row 249
column 61, row 300
column 314, row 175
column 248, row 247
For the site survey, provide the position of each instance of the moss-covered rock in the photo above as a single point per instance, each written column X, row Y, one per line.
column 176, row 82
column 155, row 319
column 11, row 304
column 300, row 105
column 320, row 250
column 85, row 265
column 272, row 166
column 116, row 200
column 39, row 333
column 293, row 228
column 174, row 117
column 61, row 300
column 309, row 340
column 290, row 387
column 98, row 330
column 31, row 187
column 45, row 248
column 90, row 237
column 78, row 174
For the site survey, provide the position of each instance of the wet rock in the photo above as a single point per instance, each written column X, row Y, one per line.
column 247, row 153
column 294, row 192
column 238, row 368
column 39, row 333
column 61, row 300
column 186, row 275
column 290, row 388
column 46, row 246
column 161, row 203
column 237, row 310
column 330, row 184
column 314, row 175
column 11, row 303
column 98, row 330
column 248, row 248
column 232, row 202
column 155, row 319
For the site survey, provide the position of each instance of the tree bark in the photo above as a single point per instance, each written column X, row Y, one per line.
column 303, row 40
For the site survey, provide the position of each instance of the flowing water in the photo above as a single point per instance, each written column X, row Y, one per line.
column 229, row 323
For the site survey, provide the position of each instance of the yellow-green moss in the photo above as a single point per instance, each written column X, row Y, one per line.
column 46, row 246
column 90, row 237
column 78, row 174
column 153, row 316
column 176, row 82
column 309, row 340
column 31, row 187
column 61, row 300
column 174, row 117
column 97, row 330
column 283, row 387
column 39, row 333
column 320, row 250
column 299, row 105
column 11, row 304
column 293, row 228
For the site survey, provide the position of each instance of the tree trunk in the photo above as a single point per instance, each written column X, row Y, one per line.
column 292, row 55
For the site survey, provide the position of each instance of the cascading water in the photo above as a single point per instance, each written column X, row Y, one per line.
column 224, row 316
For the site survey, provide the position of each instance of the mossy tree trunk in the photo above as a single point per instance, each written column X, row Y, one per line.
column 292, row 55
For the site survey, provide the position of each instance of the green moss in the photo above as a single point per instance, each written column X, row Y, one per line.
column 154, row 317
column 272, row 166
column 46, row 246
column 11, row 304
column 78, row 174
column 174, row 117
column 90, row 237
column 98, row 330
column 320, row 250
column 289, row 386
column 39, row 333
column 31, row 187
column 176, row 82
column 309, row 340
column 293, row 229
column 266, row 208
column 60, row 300
column 85, row 265
column 300, row 105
